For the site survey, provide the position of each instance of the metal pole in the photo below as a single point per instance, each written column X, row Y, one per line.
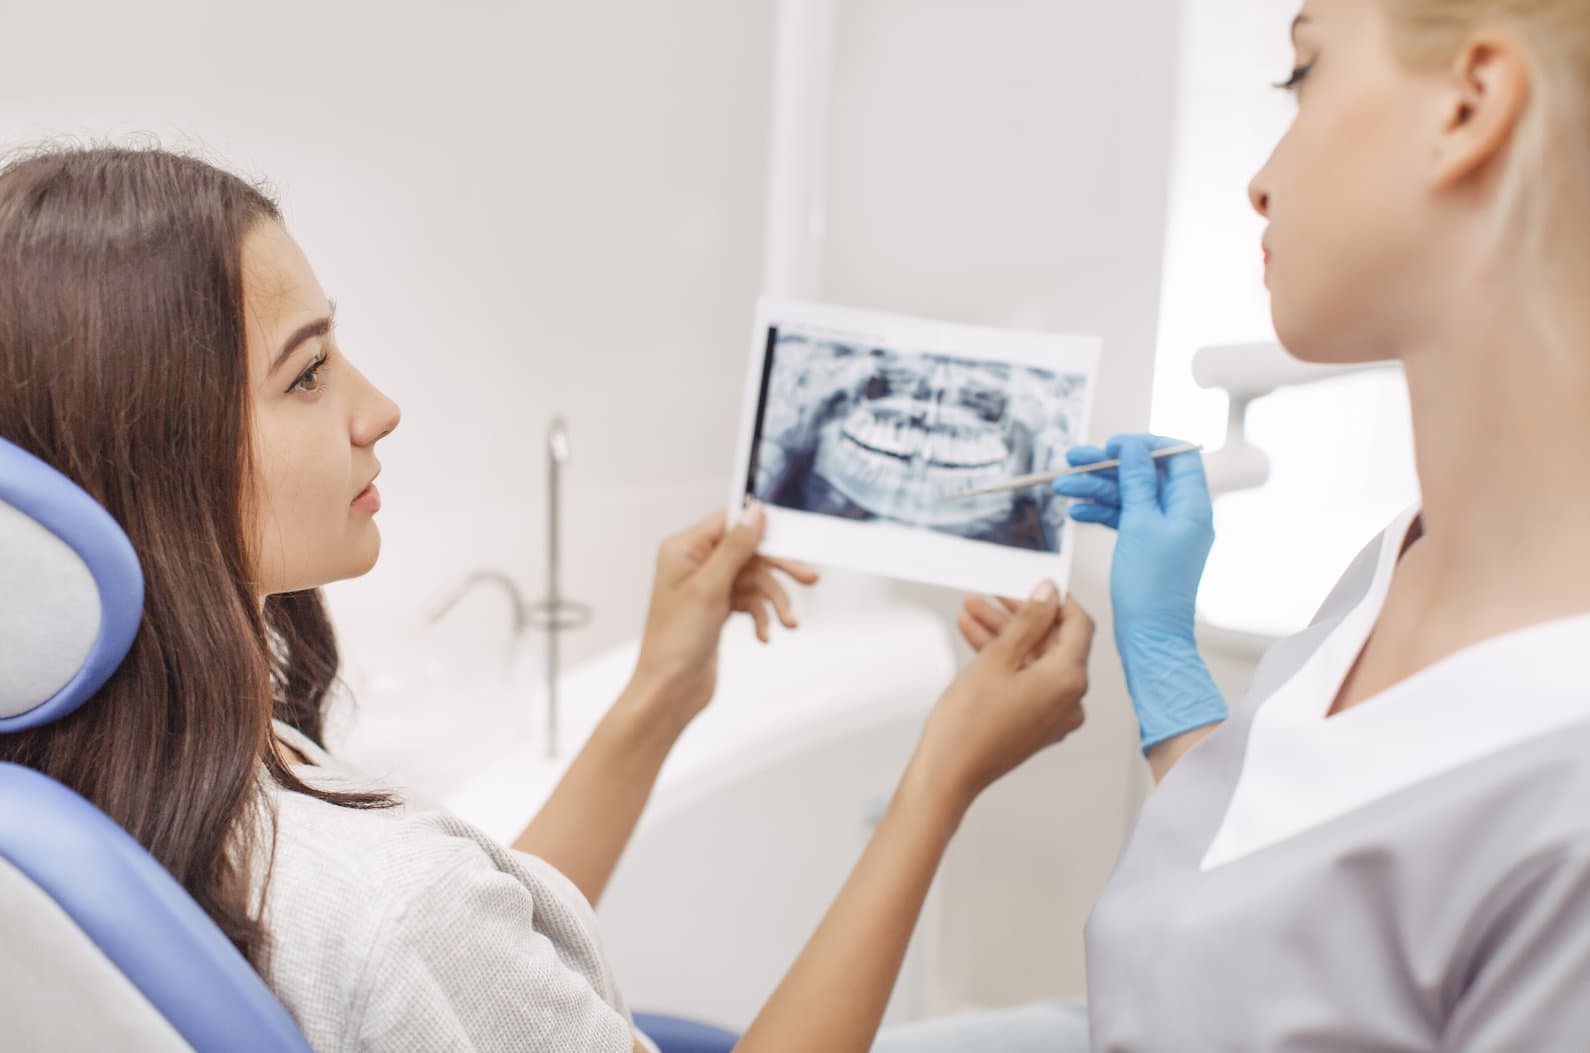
column 557, row 454
column 796, row 219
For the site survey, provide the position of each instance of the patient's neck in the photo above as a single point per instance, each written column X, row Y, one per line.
column 1502, row 431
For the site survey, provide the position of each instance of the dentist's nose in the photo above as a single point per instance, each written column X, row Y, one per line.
column 1258, row 196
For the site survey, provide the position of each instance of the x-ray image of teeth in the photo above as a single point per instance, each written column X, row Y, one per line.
column 869, row 433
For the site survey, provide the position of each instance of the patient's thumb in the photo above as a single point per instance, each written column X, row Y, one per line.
column 1032, row 622
column 737, row 547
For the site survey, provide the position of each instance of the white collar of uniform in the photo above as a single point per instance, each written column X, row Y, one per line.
column 1301, row 769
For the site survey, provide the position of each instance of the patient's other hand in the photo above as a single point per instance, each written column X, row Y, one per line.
column 1022, row 693
column 704, row 574
column 981, row 620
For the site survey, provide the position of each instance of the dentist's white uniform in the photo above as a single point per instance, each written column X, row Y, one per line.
column 1410, row 874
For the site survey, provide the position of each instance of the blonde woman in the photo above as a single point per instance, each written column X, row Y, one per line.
column 1387, row 844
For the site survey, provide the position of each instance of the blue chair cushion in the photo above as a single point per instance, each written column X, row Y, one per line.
column 140, row 918
column 55, row 556
column 674, row 1035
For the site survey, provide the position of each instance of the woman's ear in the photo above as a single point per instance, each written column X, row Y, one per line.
column 1488, row 87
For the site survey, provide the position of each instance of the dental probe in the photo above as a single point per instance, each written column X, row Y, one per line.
column 1022, row 481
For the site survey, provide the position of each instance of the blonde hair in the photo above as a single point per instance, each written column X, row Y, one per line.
column 1549, row 160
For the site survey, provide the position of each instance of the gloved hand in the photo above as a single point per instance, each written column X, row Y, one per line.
column 1161, row 511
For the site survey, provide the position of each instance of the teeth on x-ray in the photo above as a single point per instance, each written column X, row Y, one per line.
column 947, row 436
column 877, row 434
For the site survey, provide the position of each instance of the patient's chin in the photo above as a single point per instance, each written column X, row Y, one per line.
column 366, row 550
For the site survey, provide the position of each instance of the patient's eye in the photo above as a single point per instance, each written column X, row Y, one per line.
column 309, row 380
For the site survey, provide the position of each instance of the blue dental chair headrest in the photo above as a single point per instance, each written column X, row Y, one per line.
column 103, row 949
column 73, row 593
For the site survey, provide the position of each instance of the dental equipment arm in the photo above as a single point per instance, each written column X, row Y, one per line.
column 1247, row 373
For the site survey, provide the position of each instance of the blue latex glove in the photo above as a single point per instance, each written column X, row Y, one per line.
column 1162, row 513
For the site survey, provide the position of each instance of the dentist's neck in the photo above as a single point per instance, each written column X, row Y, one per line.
column 1502, row 432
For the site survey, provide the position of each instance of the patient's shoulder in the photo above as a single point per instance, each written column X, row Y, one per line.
column 347, row 849
column 328, row 850
column 351, row 891
column 371, row 856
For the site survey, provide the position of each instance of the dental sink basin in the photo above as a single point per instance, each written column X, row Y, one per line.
column 487, row 761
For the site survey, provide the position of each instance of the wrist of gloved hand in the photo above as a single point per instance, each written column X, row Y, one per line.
column 1171, row 688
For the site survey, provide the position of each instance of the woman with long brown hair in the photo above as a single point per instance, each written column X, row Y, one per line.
column 165, row 344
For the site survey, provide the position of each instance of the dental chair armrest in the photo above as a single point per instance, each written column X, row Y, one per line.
column 674, row 1035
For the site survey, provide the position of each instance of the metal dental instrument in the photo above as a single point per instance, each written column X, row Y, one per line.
column 1021, row 482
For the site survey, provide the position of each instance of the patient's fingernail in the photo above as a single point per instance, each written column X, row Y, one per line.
column 754, row 514
column 1045, row 592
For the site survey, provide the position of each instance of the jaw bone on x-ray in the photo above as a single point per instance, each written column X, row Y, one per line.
column 868, row 433
column 861, row 425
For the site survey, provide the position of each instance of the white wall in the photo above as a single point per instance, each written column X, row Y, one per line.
column 521, row 209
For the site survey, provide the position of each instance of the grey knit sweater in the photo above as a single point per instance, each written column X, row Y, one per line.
column 396, row 930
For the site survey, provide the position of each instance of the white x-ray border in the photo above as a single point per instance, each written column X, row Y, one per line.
column 891, row 549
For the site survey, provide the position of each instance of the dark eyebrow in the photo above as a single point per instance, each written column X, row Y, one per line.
column 307, row 331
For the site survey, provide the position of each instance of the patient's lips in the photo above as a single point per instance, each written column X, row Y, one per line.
column 369, row 500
